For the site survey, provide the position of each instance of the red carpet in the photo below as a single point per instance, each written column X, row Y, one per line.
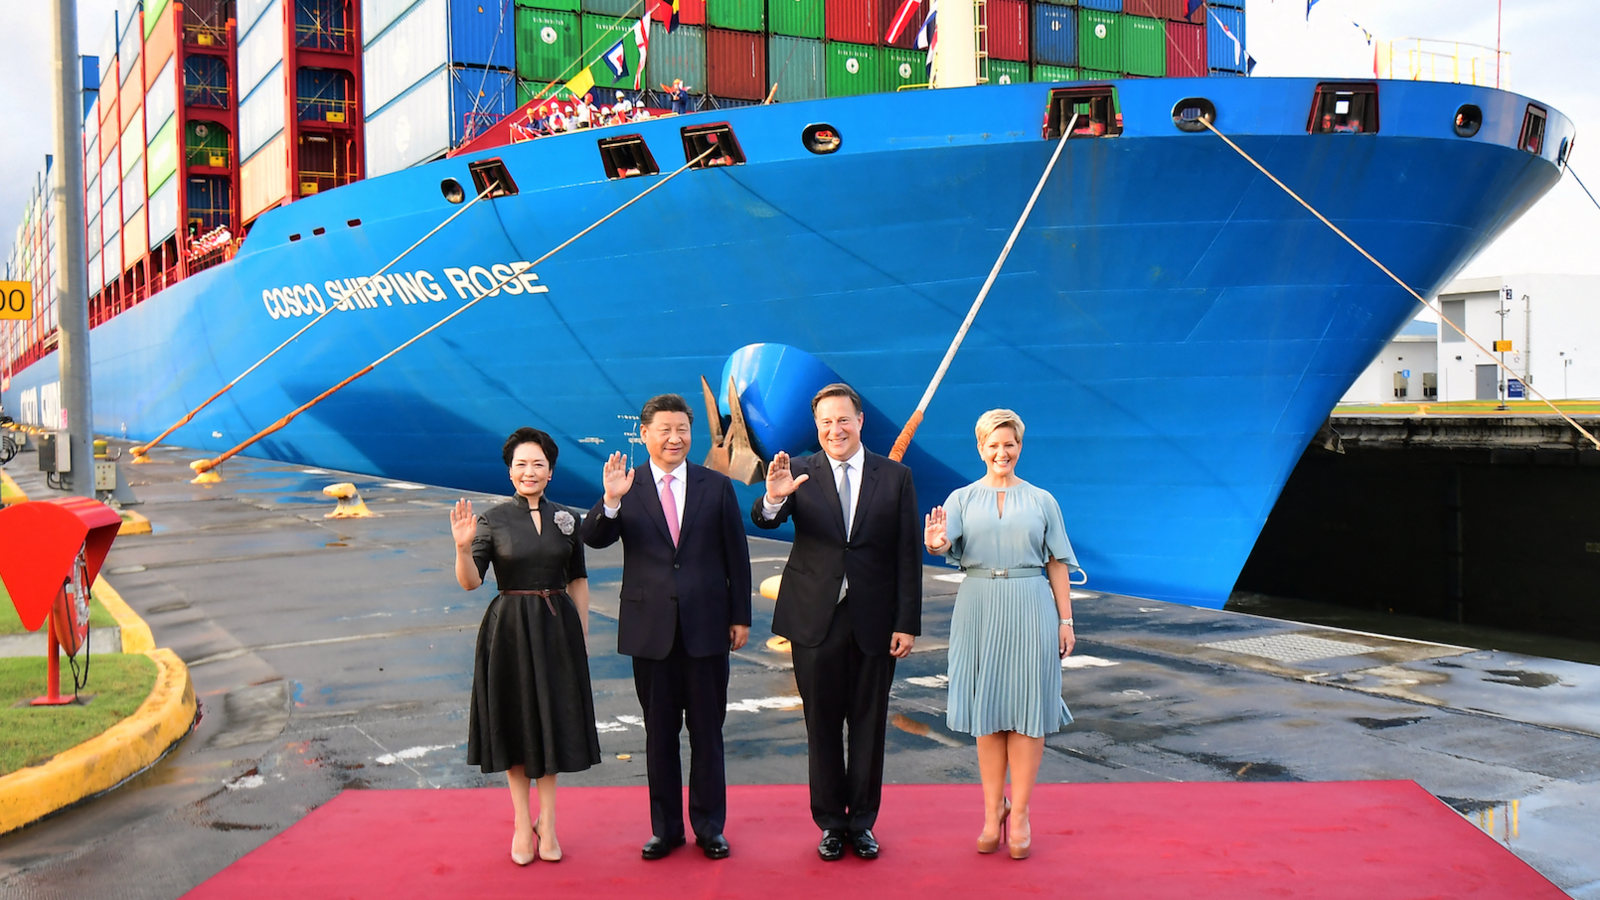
column 1367, row 840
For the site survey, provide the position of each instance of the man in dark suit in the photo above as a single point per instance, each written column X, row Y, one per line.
column 685, row 606
column 850, row 603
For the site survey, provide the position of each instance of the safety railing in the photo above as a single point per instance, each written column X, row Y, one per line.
column 333, row 110
column 1421, row 59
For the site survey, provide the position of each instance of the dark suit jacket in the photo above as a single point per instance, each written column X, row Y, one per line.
column 703, row 584
column 883, row 557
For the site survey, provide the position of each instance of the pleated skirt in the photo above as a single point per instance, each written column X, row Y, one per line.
column 531, row 701
column 1005, row 663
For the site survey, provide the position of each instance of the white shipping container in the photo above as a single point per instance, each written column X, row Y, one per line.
column 260, row 49
column 164, row 211
column 414, row 128
column 96, row 277
column 111, row 257
column 413, row 49
column 250, row 11
column 108, row 172
column 133, row 191
column 261, row 114
column 376, row 15
column 108, row 211
column 161, row 101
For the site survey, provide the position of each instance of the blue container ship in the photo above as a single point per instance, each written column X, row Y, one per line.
column 1172, row 326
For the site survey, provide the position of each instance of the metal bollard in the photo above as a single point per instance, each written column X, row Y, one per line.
column 351, row 506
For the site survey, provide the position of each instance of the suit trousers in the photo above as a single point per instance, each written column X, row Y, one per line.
column 673, row 691
column 844, row 688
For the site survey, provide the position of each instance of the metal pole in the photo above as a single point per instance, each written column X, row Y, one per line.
column 1499, row 16
column 72, row 271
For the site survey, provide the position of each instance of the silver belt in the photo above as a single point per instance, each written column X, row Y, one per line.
column 1014, row 572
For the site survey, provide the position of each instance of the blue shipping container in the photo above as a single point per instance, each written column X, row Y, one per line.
column 91, row 83
column 1221, row 51
column 1103, row 5
column 319, row 92
column 1055, row 35
column 483, row 33
column 478, row 99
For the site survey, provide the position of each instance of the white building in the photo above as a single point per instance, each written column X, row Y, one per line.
column 1551, row 321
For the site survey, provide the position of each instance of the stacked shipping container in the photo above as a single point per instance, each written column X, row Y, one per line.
column 439, row 72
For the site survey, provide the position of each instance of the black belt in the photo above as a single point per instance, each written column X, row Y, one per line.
column 546, row 594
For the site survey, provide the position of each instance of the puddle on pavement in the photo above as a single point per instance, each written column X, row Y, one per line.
column 1520, row 678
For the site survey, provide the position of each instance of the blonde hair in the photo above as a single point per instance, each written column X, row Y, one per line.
column 998, row 418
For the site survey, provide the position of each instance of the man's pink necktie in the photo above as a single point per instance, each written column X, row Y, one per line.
column 669, row 505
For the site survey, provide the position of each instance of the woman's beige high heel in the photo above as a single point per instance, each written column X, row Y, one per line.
column 523, row 859
column 990, row 845
column 539, row 846
column 1021, row 848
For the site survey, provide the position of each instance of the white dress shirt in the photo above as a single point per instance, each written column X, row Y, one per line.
column 656, row 474
column 855, row 462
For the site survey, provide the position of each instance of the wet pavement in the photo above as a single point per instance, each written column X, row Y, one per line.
column 335, row 654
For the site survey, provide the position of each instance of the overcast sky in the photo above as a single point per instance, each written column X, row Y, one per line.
column 1552, row 58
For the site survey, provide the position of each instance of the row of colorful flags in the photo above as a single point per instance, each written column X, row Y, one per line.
column 616, row 58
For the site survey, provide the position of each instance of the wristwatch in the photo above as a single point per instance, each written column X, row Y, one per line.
column 1067, row 621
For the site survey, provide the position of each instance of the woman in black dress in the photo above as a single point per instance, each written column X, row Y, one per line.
column 532, row 710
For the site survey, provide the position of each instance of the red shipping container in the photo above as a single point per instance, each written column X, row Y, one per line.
column 1186, row 50
column 856, row 21
column 1159, row 9
column 1008, row 29
column 693, row 12
column 736, row 64
column 908, row 38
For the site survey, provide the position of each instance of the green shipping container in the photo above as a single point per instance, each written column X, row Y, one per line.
column 737, row 15
column 681, row 54
column 1054, row 73
column 852, row 69
column 797, row 66
column 1144, row 46
column 527, row 90
column 553, row 5
column 1097, row 75
column 1004, row 71
column 901, row 67
column 548, row 44
column 1099, row 40
column 601, row 34
column 205, row 144
column 797, row 18
column 161, row 160
column 615, row 7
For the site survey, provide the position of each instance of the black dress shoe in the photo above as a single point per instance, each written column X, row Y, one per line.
column 864, row 844
column 658, row 847
column 832, row 844
column 715, row 847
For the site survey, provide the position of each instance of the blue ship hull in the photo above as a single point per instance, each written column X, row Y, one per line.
column 1172, row 327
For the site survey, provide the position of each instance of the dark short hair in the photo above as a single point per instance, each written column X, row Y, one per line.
column 664, row 403
column 838, row 389
column 530, row 436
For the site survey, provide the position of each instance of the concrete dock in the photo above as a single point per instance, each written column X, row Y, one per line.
column 337, row 654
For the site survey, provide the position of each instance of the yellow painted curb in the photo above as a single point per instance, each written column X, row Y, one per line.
column 125, row 749
column 136, row 637
column 132, row 523
column 9, row 492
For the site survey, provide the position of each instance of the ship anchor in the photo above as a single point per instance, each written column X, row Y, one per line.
column 731, row 453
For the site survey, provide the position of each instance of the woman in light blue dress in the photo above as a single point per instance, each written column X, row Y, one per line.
column 1012, row 624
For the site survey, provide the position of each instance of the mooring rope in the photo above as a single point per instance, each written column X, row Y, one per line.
column 1585, row 187
column 202, row 466
column 140, row 451
column 903, row 442
column 1385, row 270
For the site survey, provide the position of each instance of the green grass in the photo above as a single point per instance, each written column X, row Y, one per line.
column 99, row 616
column 30, row 735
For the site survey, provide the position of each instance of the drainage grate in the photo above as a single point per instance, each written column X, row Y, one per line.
column 1290, row 648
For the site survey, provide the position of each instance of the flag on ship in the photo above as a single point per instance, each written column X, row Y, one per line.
column 1193, row 5
column 1238, row 48
column 902, row 19
column 928, row 37
column 580, row 83
column 666, row 13
column 616, row 59
column 1309, row 4
column 641, row 39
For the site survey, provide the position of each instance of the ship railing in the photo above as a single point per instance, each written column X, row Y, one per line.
column 215, row 157
column 213, row 257
column 333, row 110
column 1454, row 62
column 322, row 36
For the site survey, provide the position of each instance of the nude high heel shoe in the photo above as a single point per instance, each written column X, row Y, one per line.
column 990, row 845
column 1021, row 848
column 523, row 859
column 538, row 846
